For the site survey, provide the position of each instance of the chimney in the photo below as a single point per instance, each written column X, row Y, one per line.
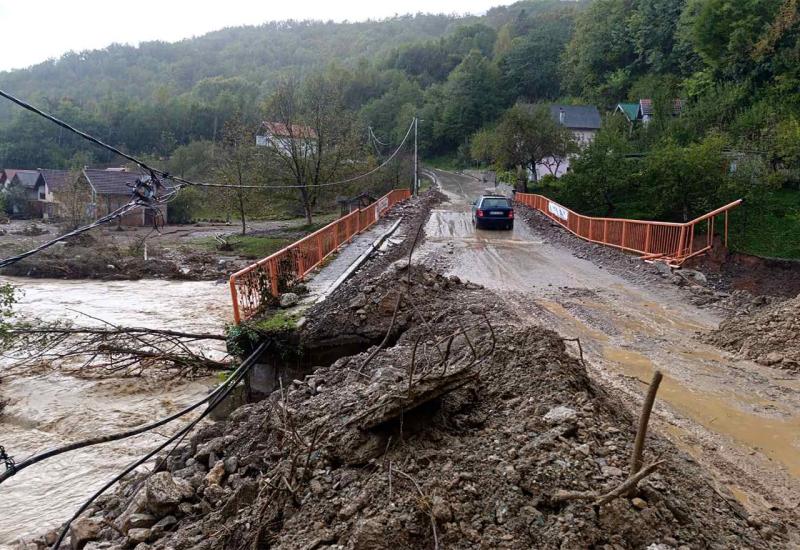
column 562, row 116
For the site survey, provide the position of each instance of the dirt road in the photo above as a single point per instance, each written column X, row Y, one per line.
column 739, row 419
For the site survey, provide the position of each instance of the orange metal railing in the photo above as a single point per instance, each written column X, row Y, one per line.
column 254, row 286
column 673, row 243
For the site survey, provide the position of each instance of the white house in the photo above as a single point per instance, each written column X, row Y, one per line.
column 286, row 138
column 584, row 122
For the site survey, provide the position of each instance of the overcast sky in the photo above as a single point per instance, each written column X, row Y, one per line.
column 36, row 30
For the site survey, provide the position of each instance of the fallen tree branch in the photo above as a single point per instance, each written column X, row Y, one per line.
column 386, row 338
column 628, row 485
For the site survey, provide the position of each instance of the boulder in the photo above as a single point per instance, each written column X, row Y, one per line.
column 163, row 493
column 560, row 415
column 138, row 535
column 214, row 477
column 84, row 530
column 288, row 299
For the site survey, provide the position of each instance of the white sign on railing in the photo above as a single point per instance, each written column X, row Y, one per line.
column 558, row 211
column 383, row 204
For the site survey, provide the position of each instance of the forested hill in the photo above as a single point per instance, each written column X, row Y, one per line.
column 158, row 96
column 257, row 54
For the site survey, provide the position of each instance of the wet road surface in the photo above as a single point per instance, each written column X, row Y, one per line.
column 740, row 419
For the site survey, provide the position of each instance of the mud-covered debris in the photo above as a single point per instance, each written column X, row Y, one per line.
column 769, row 333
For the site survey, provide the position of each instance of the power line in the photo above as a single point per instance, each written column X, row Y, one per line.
column 237, row 376
column 167, row 175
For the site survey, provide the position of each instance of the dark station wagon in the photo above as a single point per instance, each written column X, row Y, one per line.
column 493, row 211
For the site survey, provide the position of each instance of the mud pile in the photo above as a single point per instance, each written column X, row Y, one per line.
column 769, row 335
column 465, row 433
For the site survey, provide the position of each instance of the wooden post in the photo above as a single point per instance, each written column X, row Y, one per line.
column 644, row 419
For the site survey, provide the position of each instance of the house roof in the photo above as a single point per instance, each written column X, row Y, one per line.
column 585, row 117
column 27, row 178
column 294, row 131
column 55, row 179
column 630, row 110
column 113, row 182
column 9, row 173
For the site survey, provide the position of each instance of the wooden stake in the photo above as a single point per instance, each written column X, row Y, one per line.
column 644, row 419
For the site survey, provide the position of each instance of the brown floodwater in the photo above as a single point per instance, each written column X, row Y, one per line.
column 48, row 408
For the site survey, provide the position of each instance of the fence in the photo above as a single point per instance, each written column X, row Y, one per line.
column 254, row 286
column 673, row 243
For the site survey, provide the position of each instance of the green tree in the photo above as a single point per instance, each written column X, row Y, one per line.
column 472, row 98
column 238, row 165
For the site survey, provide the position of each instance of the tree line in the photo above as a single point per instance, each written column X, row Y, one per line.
column 474, row 82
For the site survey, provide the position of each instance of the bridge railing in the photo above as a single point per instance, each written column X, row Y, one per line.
column 255, row 285
column 671, row 242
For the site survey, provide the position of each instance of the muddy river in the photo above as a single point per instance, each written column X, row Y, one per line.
column 47, row 409
column 740, row 419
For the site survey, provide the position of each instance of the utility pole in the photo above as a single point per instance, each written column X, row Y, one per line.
column 416, row 164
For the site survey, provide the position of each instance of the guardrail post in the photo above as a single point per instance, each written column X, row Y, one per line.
column 605, row 231
column 647, row 234
column 319, row 248
column 272, row 269
column 237, row 316
column 624, row 233
column 681, row 243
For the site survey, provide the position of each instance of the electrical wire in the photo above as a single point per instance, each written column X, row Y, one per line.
column 328, row 184
column 167, row 175
column 105, row 219
column 30, row 461
column 231, row 383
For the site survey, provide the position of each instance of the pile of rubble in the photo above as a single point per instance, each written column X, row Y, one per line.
column 471, row 430
column 768, row 331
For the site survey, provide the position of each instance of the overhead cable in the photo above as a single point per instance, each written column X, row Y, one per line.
column 236, row 377
column 185, row 182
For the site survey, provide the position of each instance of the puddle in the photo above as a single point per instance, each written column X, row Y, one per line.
column 778, row 439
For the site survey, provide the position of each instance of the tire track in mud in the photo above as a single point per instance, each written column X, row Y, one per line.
column 739, row 419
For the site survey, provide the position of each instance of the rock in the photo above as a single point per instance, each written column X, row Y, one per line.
column 138, row 535
column 772, row 358
column 441, row 510
column 662, row 268
column 316, row 487
column 369, row 534
column 400, row 265
column 560, row 415
column 231, row 464
column 216, row 446
column 639, row 503
column 611, row 471
column 142, row 520
column 214, row 493
column 163, row 493
column 245, row 495
column 214, row 477
column 164, row 525
column 288, row 299
column 84, row 530
column 694, row 276
column 142, row 546
column 359, row 301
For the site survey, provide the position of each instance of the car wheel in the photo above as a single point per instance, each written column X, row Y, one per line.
column 511, row 226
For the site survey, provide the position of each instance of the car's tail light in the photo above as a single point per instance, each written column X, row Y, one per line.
column 480, row 213
column 511, row 214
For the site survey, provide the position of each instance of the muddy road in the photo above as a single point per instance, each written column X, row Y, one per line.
column 47, row 408
column 739, row 419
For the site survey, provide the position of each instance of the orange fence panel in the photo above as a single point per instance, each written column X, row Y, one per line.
column 672, row 242
column 255, row 285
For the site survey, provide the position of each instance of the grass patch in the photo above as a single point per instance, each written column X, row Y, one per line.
column 280, row 322
column 247, row 246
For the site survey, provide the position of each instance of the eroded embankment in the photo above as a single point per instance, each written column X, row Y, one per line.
column 770, row 335
column 464, row 433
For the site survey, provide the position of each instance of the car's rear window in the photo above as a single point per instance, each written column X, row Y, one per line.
column 495, row 202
